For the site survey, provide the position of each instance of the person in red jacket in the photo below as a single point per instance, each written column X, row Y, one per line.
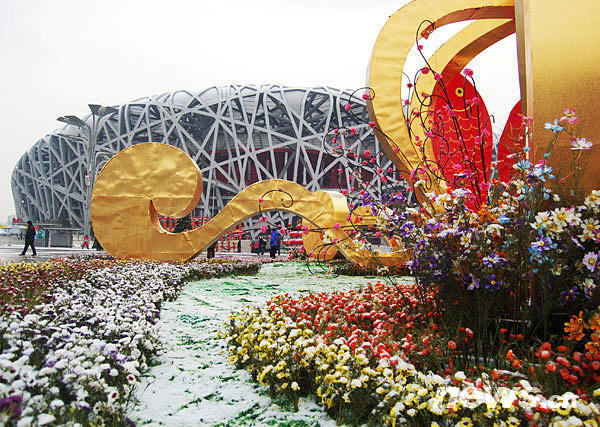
column 86, row 242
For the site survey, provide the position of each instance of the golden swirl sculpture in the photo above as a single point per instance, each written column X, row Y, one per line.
column 146, row 179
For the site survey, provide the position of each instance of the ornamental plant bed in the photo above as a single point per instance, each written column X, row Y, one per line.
column 377, row 355
column 77, row 357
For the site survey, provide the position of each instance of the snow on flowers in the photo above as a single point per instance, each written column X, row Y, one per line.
column 77, row 357
column 363, row 354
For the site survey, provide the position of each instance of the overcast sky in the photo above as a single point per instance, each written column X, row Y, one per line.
column 58, row 56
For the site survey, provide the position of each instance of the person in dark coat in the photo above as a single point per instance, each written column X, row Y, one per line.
column 29, row 239
column 210, row 252
column 262, row 244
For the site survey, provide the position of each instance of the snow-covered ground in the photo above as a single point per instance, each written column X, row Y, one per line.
column 194, row 384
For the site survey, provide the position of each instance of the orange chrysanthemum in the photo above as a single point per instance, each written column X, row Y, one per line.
column 574, row 328
column 593, row 346
column 594, row 323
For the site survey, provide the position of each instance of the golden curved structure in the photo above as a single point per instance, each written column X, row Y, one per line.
column 325, row 249
column 144, row 180
column 556, row 71
column 388, row 58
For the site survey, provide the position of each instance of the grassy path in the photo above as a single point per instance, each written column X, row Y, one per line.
column 194, row 384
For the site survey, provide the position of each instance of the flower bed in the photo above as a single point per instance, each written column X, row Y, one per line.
column 373, row 356
column 24, row 285
column 78, row 357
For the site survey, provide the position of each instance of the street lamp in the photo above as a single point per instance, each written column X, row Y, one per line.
column 98, row 112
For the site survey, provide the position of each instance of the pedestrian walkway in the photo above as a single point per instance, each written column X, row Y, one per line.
column 10, row 254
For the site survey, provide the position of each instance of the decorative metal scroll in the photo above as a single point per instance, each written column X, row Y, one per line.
column 144, row 180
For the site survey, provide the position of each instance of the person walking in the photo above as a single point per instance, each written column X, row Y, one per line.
column 210, row 252
column 273, row 243
column 262, row 244
column 86, row 242
column 29, row 239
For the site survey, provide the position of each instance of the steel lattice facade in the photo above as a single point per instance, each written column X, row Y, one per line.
column 237, row 135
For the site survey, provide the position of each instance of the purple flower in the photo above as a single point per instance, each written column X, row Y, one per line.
column 474, row 283
column 12, row 404
column 493, row 283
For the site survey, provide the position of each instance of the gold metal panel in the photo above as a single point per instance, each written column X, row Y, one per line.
column 559, row 67
column 392, row 47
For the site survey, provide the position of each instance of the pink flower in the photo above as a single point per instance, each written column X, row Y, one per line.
column 437, row 77
column 366, row 96
column 336, row 131
column 260, row 200
column 425, row 70
column 352, row 131
column 264, row 228
column 336, row 226
column 569, row 116
column 367, row 153
column 347, row 107
column 345, row 192
column 468, row 72
column 371, row 124
column 412, row 174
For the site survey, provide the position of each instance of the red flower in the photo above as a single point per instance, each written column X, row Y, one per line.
column 452, row 345
column 563, row 362
column 551, row 366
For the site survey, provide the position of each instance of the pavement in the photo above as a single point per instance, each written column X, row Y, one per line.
column 11, row 254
